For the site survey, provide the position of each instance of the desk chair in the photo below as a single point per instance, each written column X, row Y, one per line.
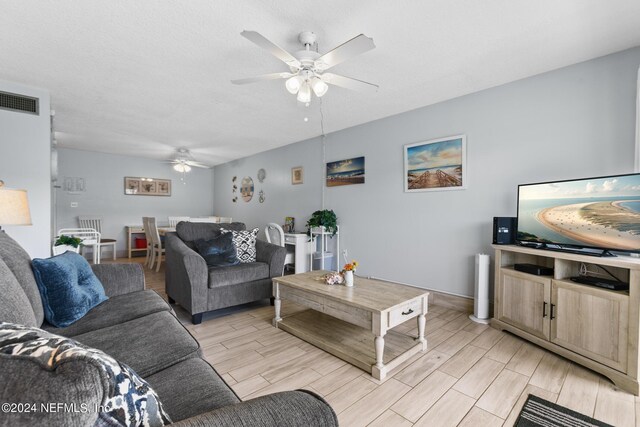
column 275, row 235
column 95, row 222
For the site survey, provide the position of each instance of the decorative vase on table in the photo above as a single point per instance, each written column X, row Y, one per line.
column 348, row 271
column 348, row 278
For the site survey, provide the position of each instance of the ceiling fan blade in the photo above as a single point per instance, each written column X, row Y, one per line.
column 273, row 48
column 349, row 83
column 272, row 76
column 356, row 46
column 196, row 164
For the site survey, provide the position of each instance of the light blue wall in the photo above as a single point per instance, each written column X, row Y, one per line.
column 104, row 176
column 573, row 122
column 25, row 163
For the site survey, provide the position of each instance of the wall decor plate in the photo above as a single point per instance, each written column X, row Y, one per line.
column 262, row 174
column 246, row 188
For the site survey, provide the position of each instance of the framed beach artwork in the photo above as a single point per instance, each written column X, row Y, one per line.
column 345, row 172
column 436, row 165
column 136, row 186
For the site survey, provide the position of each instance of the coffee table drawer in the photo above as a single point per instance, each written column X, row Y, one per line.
column 405, row 312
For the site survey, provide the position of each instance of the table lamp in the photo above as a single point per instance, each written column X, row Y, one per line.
column 14, row 207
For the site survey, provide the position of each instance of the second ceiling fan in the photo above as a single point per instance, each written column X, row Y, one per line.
column 308, row 68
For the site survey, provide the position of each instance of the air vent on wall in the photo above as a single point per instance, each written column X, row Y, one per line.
column 14, row 102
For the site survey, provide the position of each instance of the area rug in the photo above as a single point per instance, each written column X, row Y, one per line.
column 538, row 412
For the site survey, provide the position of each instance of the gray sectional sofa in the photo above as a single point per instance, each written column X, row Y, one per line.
column 136, row 327
column 199, row 288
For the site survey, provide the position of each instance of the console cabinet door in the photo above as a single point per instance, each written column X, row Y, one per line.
column 591, row 321
column 524, row 301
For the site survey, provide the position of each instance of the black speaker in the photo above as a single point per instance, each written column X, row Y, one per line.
column 504, row 230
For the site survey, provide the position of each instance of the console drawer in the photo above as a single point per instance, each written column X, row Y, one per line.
column 290, row 239
column 405, row 312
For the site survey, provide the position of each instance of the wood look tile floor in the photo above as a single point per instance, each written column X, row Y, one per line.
column 471, row 375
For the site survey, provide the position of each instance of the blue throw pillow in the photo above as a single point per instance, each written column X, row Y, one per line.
column 219, row 251
column 68, row 288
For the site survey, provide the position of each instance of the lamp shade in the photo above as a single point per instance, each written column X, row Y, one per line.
column 14, row 207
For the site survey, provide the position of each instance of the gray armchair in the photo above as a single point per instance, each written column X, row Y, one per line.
column 199, row 288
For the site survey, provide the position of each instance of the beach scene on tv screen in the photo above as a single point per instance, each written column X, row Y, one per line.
column 601, row 212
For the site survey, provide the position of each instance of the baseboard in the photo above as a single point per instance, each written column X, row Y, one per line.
column 455, row 302
column 443, row 299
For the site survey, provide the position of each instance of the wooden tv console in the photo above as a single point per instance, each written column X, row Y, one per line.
column 595, row 327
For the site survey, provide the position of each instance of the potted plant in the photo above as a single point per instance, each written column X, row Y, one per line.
column 66, row 243
column 324, row 218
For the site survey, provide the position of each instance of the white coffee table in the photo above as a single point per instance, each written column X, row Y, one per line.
column 354, row 323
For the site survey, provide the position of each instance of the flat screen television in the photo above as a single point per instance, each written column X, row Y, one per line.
column 592, row 214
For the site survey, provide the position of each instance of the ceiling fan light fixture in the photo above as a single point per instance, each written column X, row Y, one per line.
column 293, row 84
column 304, row 94
column 319, row 87
column 181, row 167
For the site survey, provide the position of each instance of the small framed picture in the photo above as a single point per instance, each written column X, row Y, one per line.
column 148, row 187
column 164, row 187
column 297, row 176
column 131, row 185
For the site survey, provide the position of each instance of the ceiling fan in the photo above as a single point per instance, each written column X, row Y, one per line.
column 184, row 161
column 308, row 68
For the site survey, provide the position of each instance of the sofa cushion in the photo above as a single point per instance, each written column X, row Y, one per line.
column 219, row 251
column 68, row 288
column 240, row 273
column 190, row 231
column 125, row 398
column 19, row 262
column 148, row 344
column 199, row 389
column 14, row 304
column 245, row 243
column 115, row 310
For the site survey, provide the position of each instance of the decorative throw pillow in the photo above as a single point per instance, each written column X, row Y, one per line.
column 245, row 243
column 128, row 400
column 68, row 287
column 219, row 251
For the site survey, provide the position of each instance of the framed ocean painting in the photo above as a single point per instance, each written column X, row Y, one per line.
column 436, row 165
column 345, row 172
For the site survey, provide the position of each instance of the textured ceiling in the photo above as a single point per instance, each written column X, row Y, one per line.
column 146, row 77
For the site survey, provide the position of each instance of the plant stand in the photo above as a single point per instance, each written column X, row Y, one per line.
column 324, row 235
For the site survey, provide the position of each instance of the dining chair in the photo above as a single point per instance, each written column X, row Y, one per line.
column 95, row 222
column 275, row 235
column 147, row 236
column 90, row 238
column 156, row 244
column 174, row 220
